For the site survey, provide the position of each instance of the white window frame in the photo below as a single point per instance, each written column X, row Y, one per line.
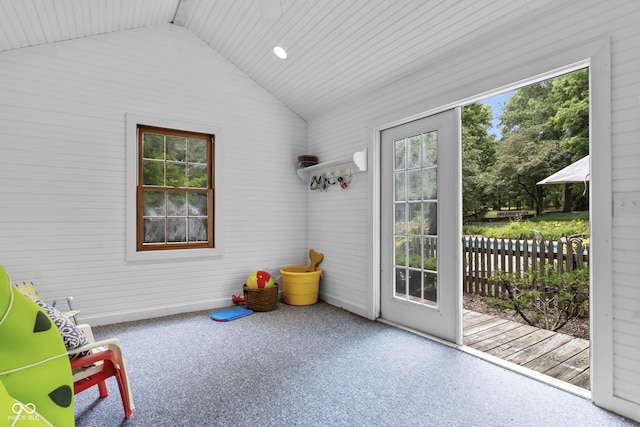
column 132, row 120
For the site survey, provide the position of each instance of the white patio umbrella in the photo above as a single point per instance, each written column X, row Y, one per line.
column 576, row 172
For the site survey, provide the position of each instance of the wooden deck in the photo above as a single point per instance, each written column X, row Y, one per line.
column 557, row 355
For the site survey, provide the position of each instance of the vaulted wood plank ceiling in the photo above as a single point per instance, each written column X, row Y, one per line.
column 337, row 49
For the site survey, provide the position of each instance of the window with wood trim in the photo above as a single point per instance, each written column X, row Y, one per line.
column 175, row 189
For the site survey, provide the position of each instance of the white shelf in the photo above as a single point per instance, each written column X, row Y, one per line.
column 358, row 159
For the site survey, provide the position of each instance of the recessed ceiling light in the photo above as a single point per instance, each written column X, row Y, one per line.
column 280, row 52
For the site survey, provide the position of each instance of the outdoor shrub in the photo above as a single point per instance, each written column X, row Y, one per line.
column 552, row 230
column 546, row 300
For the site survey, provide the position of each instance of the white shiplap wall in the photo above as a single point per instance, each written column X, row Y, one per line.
column 62, row 170
column 341, row 224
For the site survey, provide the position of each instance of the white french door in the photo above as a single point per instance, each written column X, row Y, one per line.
column 421, row 225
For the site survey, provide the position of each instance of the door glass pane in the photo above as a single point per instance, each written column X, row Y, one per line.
column 430, row 268
column 400, row 154
column 430, row 218
column 429, row 252
column 415, row 151
column 415, row 285
column 415, row 218
column 430, row 149
column 400, row 224
column 400, row 192
column 415, row 252
column 429, row 183
column 414, row 184
column 430, row 287
column 400, row 280
column 400, row 251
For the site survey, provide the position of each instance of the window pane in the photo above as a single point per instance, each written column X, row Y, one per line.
column 177, row 204
column 176, row 230
column 415, row 145
column 401, row 281
column 430, row 149
column 415, row 184
column 431, row 287
column 153, row 203
column 198, row 204
column 198, row 230
column 415, row 283
column 154, row 229
column 400, row 192
column 430, row 218
column 177, row 175
column 176, row 148
column 197, row 176
column 400, row 219
column 401, row 251
column 415, row 218
column 429, row 183
column 153, row 146
column 153, row 173
column 430, row 253
column 415, row 252
column 197, row 150
column 400, row 154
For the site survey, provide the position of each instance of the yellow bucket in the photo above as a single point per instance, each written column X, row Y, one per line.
column 299, row 286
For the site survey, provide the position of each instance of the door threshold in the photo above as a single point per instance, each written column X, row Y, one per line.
column 416, row 332
column 553, row 382
column 538, row 376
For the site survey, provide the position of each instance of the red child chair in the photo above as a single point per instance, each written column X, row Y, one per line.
column 103, row 361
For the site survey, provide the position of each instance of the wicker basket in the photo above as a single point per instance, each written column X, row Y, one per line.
column 264, row 299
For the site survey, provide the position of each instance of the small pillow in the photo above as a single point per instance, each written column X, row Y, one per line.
column 71, row 335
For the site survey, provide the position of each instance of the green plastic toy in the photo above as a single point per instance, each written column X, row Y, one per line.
column 18, row 414
column 35, row 373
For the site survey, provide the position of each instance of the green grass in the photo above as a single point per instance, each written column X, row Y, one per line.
column 494, row 214
column 552, row 226
column 561, row 216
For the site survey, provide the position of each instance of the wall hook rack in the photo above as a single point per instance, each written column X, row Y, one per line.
column 358, row 159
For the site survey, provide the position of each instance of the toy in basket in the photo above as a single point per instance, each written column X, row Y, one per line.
column 260, row 292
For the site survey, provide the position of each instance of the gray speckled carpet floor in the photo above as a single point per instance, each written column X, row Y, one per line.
column 316, row 366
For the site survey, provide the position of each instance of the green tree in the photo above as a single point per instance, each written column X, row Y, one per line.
column 570, row 95
column 526, row 157
column 529, row 106
column 478, row 156
column 533, row 118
